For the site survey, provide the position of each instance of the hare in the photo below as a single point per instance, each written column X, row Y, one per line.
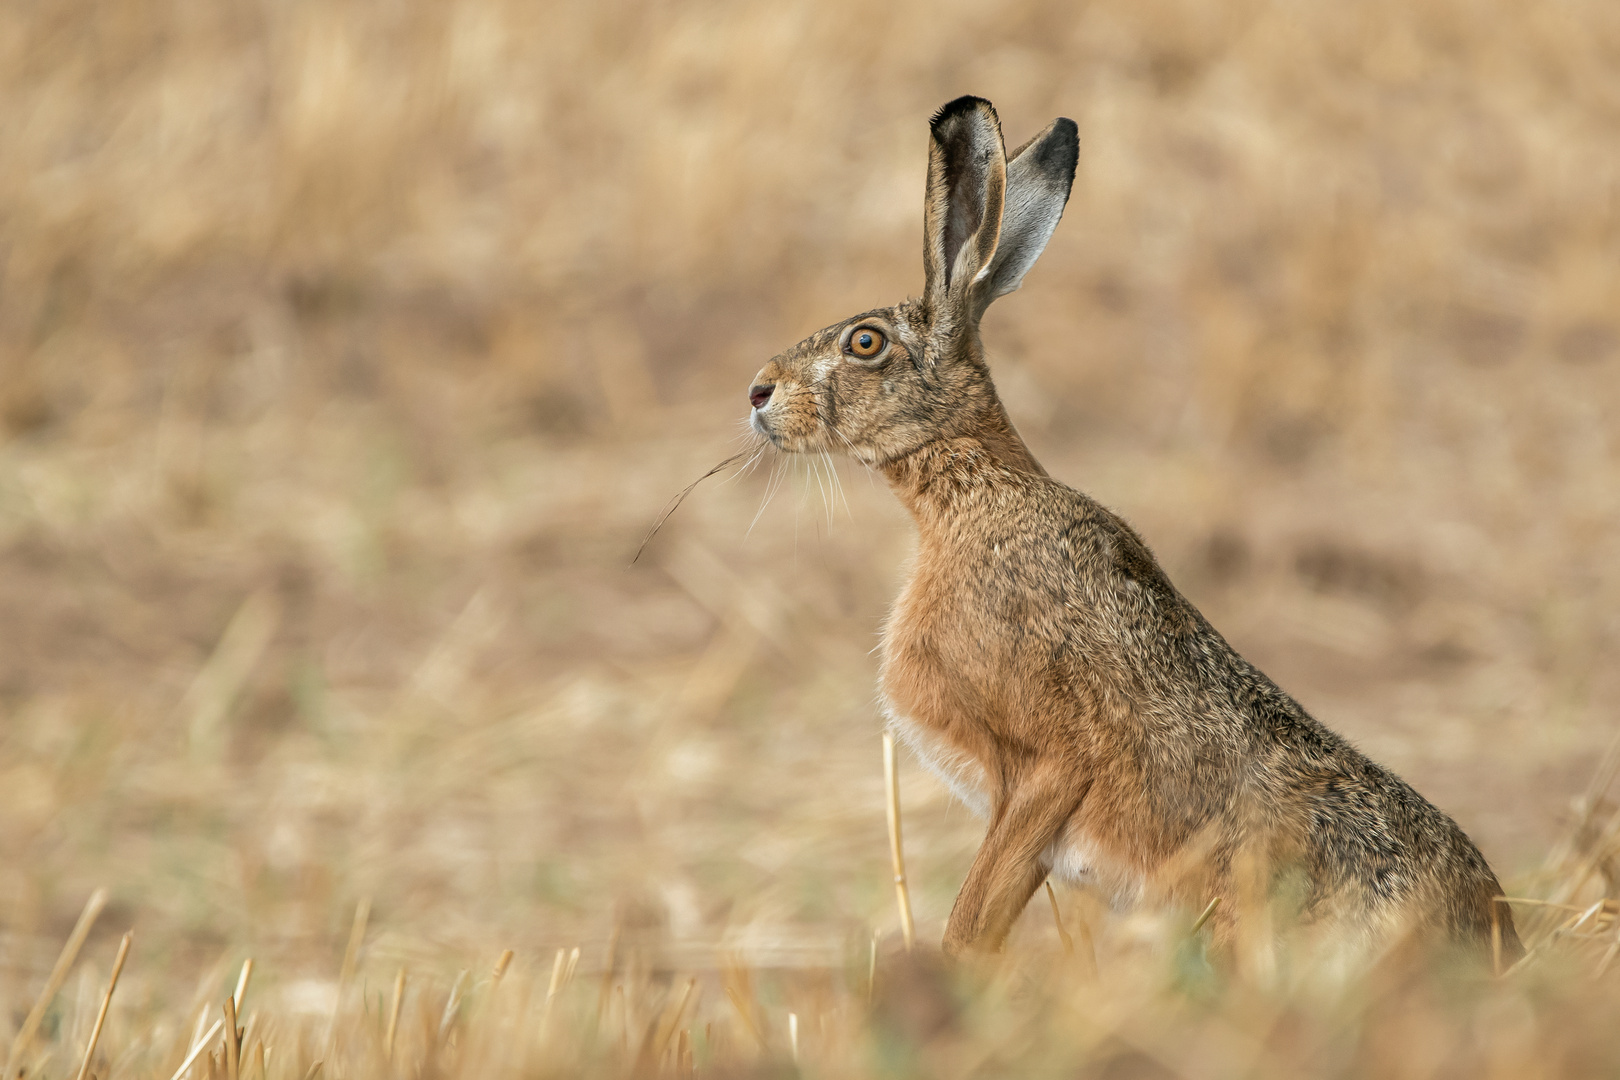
column 1040, row 661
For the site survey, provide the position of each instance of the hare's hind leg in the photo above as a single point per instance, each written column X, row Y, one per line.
column 1009, row 866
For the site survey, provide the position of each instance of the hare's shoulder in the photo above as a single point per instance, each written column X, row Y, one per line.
column 1110, row 564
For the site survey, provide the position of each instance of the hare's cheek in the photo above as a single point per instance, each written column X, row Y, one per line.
column 799, row 414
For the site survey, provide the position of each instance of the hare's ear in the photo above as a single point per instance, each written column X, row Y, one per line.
column 1039, row 176
column 967, row 177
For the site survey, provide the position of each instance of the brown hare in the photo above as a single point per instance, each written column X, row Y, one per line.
column 1040, row 661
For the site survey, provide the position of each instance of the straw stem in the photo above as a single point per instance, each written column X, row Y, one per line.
column 500, row 969
column 1057, row 917
column 393, row 1013
column 1204, row 918
column 64, row 962
column 196, row 1049
column 871, row 969
column 233, row 1042
column 902, row 895
column 242, row 984
column 351, row 953
column 106, row 1001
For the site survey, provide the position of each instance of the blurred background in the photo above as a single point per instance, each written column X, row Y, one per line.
column 349, row 349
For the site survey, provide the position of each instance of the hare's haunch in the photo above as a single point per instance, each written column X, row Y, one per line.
column 1039, row 659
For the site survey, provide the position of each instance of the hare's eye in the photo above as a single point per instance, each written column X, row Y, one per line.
column 867, row 342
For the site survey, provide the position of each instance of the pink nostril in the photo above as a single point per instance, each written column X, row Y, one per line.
column 759, row 395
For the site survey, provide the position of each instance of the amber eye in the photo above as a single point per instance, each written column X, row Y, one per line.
column 866, row 342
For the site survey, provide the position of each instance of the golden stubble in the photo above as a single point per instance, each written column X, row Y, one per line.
column 348, row 350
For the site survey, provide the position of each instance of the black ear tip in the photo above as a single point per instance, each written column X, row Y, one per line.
column 964, row 104
column 1060, row 151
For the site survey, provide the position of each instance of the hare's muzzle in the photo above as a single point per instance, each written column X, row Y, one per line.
column 760, row 395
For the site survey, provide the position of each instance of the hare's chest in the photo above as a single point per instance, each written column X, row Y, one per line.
column 952, row 764
column 948, row 651
column 940, row 693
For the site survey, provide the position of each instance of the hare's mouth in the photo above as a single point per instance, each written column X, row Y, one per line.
column 762, row 426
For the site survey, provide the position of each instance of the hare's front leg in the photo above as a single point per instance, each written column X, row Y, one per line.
column 1008, row 868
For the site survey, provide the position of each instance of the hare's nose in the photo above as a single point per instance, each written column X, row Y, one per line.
column 759, row 395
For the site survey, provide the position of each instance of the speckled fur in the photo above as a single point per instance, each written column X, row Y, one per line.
column 1040, row 660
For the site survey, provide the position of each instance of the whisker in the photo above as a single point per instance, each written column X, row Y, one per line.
column 778, row 466
column 798, row 504
column 854, row 453
column 756, row 452
column 815, row 470
column 831, row 493
column 838, row 485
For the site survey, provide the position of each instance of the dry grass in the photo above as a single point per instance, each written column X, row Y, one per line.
column 347, row 351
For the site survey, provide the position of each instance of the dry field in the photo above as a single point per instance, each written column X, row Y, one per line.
column 348, row 350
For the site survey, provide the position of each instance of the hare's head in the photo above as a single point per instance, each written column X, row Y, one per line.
column 883, row 383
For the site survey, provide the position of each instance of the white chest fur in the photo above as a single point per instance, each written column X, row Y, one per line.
column 1071, row 857
column 956, row 769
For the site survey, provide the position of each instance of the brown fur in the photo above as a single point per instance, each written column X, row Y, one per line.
column 1041, row 661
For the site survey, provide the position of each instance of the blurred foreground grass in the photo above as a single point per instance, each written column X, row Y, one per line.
column 1131, row 997
column 348, row 349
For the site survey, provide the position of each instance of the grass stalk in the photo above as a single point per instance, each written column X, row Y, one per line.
column 902, row 895
column 1209, row 910
column 683, row 1055
column 351, row 954
column 393, row 1014
column 53, row 983
column 196, row 1049
column 736, row 999
column 233, row 1042
column 1057, row 917
column 242, row 984
column 871, row 968
column 453, row 1005
column 674, row 1021
column 1496, row 940
column 501, row 965
column 106, row 1002
column 558, row 966
column 605, row 990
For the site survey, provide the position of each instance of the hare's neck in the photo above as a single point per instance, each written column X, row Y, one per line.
column 942, row 480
